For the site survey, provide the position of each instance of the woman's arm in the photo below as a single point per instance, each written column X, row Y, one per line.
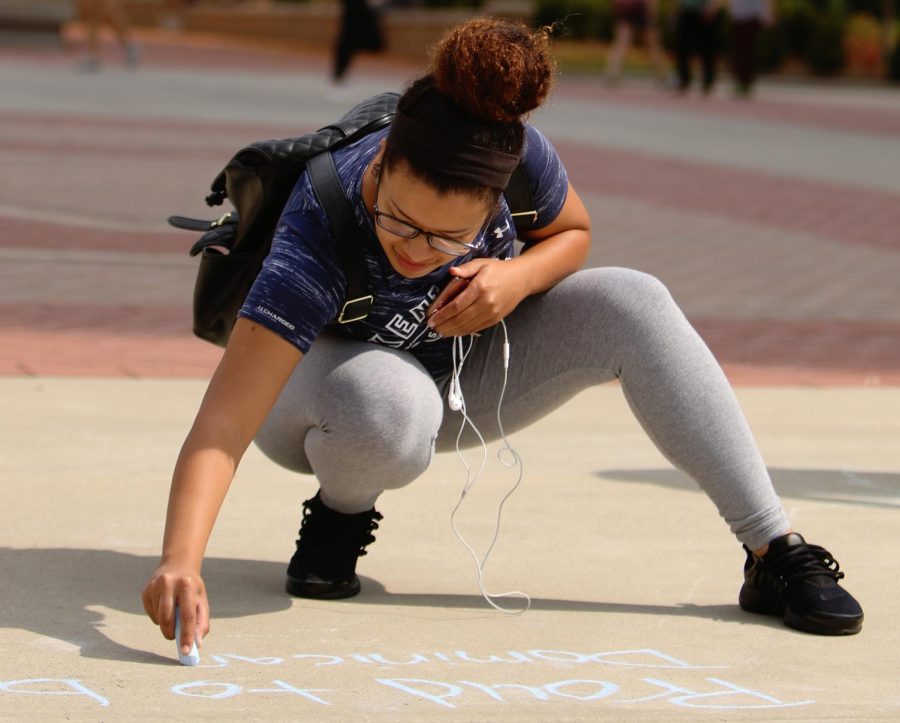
column 557, row 250
column 254, row 368
column 496, row 287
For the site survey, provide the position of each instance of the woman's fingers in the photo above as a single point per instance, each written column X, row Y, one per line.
column 470, row 321
column 187, row 611
column 169, row 590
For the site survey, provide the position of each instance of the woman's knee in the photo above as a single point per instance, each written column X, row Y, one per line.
column 630, row 308
column 283, row 443
column 627, row 290
column 385, row 423
column 397, row 414
column 392, row 418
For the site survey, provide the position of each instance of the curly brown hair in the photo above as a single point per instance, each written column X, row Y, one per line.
column 486, row 75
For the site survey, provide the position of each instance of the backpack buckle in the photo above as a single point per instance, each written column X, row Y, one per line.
column 224, row 218
column 355, row 309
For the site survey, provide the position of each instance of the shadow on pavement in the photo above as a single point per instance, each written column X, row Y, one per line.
column 375, row 593
column 847, row 487
column 51, row 592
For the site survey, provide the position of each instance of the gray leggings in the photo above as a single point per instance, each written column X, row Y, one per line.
column 365, row 418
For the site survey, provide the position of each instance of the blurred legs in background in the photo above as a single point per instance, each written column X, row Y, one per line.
column 744, row 36
column 360, row 31
column 696, row 33
column 635, row 18
column 96, row 13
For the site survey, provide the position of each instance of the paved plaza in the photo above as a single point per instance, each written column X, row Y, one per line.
column 774, row 222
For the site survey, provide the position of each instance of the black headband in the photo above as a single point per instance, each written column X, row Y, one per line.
column 433, row 151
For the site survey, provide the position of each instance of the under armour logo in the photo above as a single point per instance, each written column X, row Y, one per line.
column 498, row 232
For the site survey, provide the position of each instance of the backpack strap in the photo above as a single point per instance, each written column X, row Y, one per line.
column 330, row 194
column 520, row 201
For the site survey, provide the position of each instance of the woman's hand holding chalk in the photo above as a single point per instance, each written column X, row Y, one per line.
column 191, row 658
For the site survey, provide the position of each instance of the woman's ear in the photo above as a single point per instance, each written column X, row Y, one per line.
column 376, row 162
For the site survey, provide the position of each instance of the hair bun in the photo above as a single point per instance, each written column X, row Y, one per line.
column 494, row 69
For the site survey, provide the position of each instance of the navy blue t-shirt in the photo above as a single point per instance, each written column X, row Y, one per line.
column 302, row 288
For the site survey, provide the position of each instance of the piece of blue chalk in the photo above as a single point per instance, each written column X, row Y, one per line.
column 192, row 658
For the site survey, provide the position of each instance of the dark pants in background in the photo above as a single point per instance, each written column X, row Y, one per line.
column 744, row 37
column 360, row 30
column 696, row 35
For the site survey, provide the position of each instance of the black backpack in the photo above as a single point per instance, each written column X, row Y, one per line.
column 258, row 181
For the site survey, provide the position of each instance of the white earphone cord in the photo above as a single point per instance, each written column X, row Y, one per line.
column 457, row 402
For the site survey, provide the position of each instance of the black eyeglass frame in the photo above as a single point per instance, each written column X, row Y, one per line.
column 463, row 247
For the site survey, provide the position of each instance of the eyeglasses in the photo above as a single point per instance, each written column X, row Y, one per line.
column 445, row 245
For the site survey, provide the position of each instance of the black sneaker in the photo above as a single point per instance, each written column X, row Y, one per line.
column 800, row 582
column 328, row 546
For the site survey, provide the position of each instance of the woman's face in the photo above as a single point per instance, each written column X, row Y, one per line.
column 407, row 207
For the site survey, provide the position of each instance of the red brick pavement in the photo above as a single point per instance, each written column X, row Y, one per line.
column 59, row 338
column 92, row 340
column 843, row 214
column 24, row 233
column 816, row 352
column 140, row 130
column 829, row 211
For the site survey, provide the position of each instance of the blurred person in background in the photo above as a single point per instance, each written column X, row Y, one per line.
column 697, row 28
column 635, row 18
column 360, row 31
column 96, row 13
column 747, row 20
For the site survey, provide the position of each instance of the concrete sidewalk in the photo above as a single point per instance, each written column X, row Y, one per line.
column 774, row 223
column 632, row 576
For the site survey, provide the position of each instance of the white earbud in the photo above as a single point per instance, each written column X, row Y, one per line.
column 454, row 398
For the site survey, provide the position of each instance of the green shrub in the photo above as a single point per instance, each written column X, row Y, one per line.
column 825, row 54
column 772, row 48
column 864, row 45
column 666, row 21
column 837, row 9
column 870, row 7
column 796, row 19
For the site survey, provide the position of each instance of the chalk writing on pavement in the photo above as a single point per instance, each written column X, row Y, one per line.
column 450, row 679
